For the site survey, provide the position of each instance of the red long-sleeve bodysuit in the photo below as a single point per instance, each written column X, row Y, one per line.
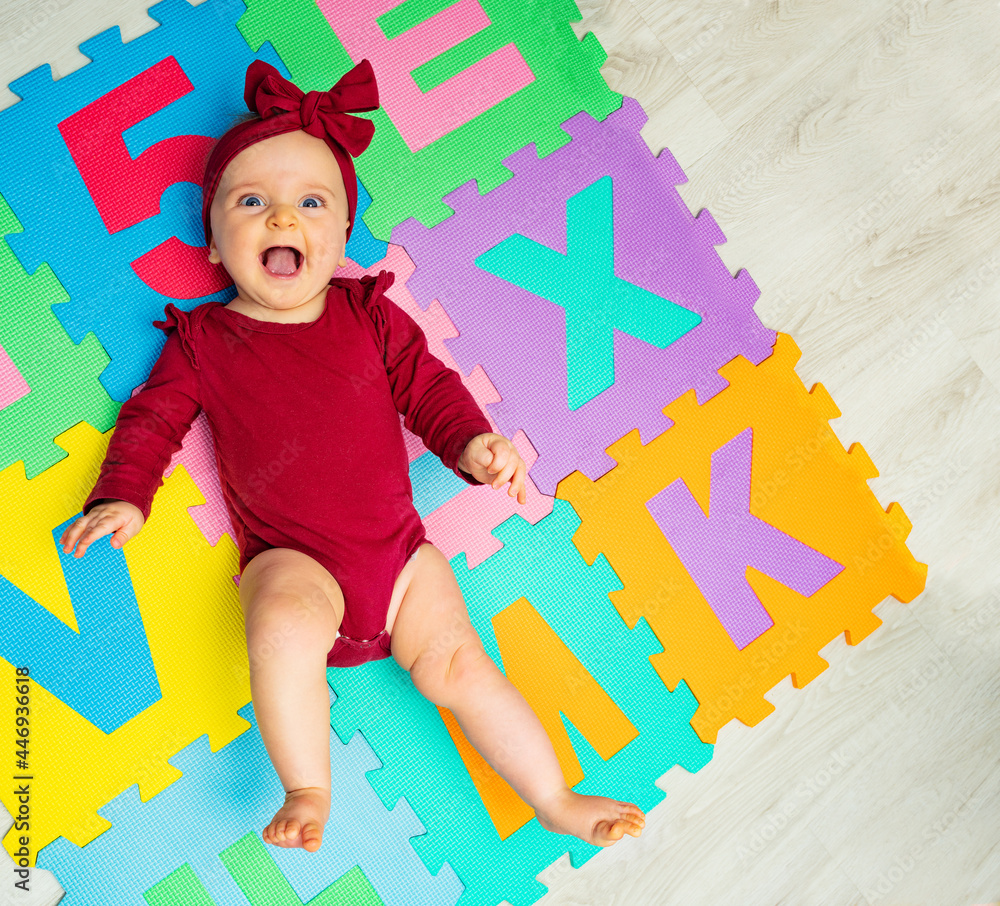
column 307, row 437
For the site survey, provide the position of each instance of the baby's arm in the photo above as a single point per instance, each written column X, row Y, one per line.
column 148, row 431
column 435, row 404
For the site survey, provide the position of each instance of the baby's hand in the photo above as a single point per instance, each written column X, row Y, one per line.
column 492, row 459
column 124, row 519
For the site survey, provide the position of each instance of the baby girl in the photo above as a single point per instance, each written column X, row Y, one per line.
column 302, row 377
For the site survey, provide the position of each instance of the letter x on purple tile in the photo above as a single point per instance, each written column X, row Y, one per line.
column 520, row 337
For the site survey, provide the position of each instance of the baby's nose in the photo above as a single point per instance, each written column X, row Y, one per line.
column 283, row 215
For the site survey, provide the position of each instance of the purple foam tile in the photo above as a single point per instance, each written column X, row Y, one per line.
column 520, row 338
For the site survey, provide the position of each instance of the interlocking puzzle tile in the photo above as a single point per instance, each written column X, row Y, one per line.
column 608, row 303
column 743, row 583
column 63, row 377
column 540, row 565
column 12, row 383
column 398, row 45
column 208, row 810
column 425, row 142
column 192, row 624
column 123, row 141
column 87, row 667
column 261, row 882
column 661, row 253
column 716, row 548
column 466, row 522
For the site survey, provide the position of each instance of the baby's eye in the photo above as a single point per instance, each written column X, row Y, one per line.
column 250, row 201
column 312, row 201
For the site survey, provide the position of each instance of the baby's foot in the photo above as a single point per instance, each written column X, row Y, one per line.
column 300, row 821
column 596, row 819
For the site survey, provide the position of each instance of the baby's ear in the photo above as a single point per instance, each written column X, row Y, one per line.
column 213, row 252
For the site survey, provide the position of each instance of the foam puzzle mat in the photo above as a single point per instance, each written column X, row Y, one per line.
column 694, row 530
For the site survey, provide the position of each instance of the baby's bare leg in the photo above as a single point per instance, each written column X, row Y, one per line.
column 433, row 638
column 292, row 609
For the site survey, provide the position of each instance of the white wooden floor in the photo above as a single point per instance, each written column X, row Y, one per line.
column 851, row 153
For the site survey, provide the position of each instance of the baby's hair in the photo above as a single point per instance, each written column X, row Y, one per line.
column 237, row 119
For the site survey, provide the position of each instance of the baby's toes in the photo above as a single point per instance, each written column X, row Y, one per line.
column 630, row 827
column 312, row 837
column 277, row 832
column 632, row 821
column 290, row 830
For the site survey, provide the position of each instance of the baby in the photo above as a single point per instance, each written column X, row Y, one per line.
column 302, row 376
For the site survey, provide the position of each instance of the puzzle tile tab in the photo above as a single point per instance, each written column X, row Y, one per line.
column 848, row 553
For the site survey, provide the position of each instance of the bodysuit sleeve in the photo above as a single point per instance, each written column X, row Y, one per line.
column 435, row 404
column 151, row 425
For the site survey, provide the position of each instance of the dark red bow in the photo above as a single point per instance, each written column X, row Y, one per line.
column 321, row 113
column 284, row 107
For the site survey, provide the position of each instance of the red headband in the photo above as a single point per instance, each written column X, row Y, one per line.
column 285, row 108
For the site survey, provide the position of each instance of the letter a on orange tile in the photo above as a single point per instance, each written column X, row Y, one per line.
column 554, row 682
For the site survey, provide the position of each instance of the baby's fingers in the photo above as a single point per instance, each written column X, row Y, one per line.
column 73, row 531
column 517, row 483
column 503, row 475
column 88, row 530
column 498, row 463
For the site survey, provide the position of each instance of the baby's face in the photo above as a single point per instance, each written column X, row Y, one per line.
column 279, row 226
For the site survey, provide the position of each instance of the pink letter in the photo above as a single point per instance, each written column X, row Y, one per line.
column 423, row 118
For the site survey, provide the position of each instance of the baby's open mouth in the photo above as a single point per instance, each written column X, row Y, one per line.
column 281, row 260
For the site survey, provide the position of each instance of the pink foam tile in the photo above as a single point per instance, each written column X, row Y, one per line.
column 197, row 455
column 423, row 117
column 437, row 327
column 13, row 386
column 465, row 522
